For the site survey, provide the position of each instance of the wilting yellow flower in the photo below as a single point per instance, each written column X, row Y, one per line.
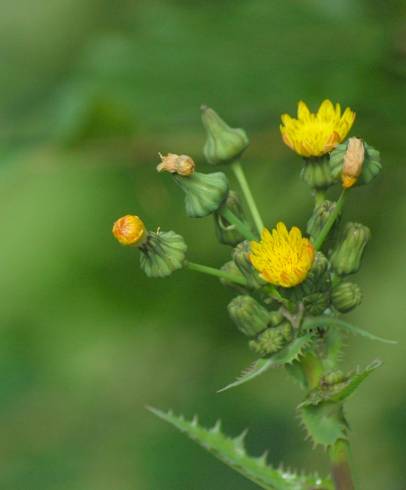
column 314, row 135
column 130, row 230
column 282, row 258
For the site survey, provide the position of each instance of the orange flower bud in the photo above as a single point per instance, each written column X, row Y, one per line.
column 130, row 230
column 353, row 162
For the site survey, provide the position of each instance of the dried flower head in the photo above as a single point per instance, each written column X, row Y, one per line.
column 176, row 164
column 282, row 257
column 314, row 135
column 353, row 162
column 130, row 230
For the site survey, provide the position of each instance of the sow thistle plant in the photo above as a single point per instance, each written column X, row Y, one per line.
column 291, row 285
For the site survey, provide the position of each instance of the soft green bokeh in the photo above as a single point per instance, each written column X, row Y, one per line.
column 90, row 92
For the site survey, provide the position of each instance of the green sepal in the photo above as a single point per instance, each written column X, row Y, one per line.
column 232, row 452
column 204, row 193
column 231, row 268
column 311, row 323
column 339, row 391
column 241, row 258
column 317, row 174
column 370, row 168
column 223, row 144
column 287, row 355
column 324, row 423
column 226, row 232
column 163, row 253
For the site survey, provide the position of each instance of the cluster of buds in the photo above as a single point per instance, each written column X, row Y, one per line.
column 280, row 276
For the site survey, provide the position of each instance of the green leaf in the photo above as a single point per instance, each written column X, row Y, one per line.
column 287, row 355
column 340, row 391
column 324, row 423
column 325, row 321
column 232, row 452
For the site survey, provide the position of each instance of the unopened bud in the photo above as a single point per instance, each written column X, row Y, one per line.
column 163, row 253
column 176, row 164
column 346, row 296
column 223, row 144
column 334, row 377
column 130, row 230
column 231, row 268
column 204, row 193
column 318, row 278
column 319, row 218
column 272, row 339
column 226, row 232
column 347, row 255
column 241, row 257
column 353, row 162
column 250, row 317
column 316, row 303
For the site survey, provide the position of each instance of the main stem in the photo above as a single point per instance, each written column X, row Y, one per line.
column 339, row 453
column 245, row 188
column 340, row 465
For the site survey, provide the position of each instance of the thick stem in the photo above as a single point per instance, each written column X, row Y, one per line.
column 340, row 465
column 216, row 272
column 241, row 226
column 240, row 176
column 318, row 242
column 319, row 197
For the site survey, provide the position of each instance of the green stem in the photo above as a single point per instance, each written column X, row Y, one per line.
column 318, row 242
column 319, row 197
column 240, row 225
column 240, row 176
column 217, row 273
column 340, row 465
column 313, row 369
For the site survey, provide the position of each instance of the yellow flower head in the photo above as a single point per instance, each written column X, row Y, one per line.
column 314, row 135
column 130, row 230
column 282, row 258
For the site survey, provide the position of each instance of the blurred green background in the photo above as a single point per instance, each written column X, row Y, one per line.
column 90, row 92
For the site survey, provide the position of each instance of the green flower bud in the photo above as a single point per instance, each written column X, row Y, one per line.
column 272, row 339
column 241, row 258
column 347, row 255
column 275, row 318
column 250, row 317
column 318, row 278
column 319, row 218
column 204, row 193
column 223, row 144
column 346, row 296
column 317, row 174
column 370, row 167
column 162, row 253
column 225, row 231
column 316, row 303
column 231, row 268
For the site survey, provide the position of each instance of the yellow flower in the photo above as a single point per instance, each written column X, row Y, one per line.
column 282, row 258
column 130, row 230
column 314, row 135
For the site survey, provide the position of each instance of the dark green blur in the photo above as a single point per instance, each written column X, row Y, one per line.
column 90, row 92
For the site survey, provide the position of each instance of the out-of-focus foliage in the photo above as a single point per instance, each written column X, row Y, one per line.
column 90, row 91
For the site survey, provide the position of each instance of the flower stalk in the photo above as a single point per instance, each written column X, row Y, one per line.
column 318, row 242
column 240, row 225
column 212, row 271
column 249, row 198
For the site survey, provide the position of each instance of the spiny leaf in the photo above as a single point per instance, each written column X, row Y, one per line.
column 233, row 453
column 340, row 391
column 324, row 423
column 287, row 355
column 325, row 321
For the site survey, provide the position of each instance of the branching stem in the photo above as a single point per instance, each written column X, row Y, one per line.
column 240, row 225
column 249, row 198
column 212, row 271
